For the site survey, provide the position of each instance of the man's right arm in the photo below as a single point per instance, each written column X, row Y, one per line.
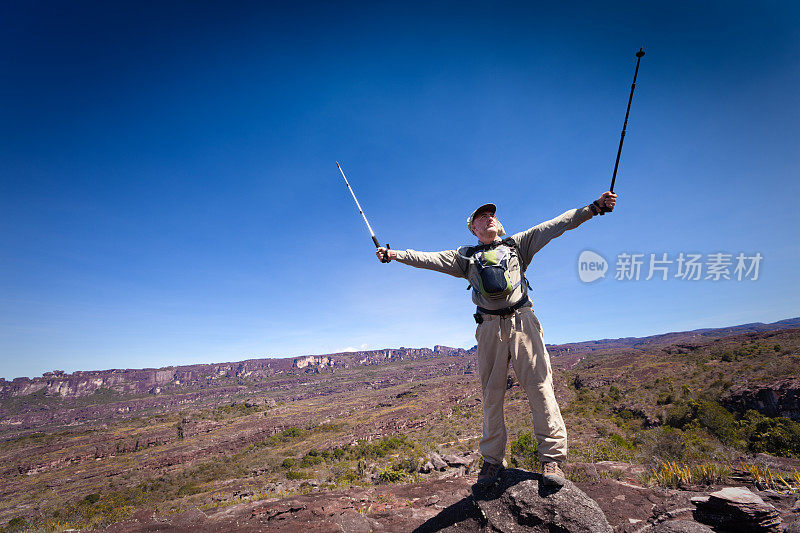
column 447, row 261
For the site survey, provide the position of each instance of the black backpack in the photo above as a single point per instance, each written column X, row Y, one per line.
column 493, row 268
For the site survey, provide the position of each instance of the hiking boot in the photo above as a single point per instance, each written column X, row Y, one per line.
column 489, row 473
column 552, row 475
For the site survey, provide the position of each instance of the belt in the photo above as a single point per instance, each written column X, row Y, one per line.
column 501, row 312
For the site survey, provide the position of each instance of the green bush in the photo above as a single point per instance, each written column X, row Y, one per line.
column 719, row 421
column 663, row 444
column 777, row 436
column 15, row 524
column 393, row 475
column 296, row 474
column 310, row 460
column 378, row 449
column 523, row 452
column 620, row 441
column 347, row 476
column 665, row 398
column 705, row 414
column 291, row 433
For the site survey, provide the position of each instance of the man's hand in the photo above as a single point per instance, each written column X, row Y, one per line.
column 607, row 201
column 388, row 254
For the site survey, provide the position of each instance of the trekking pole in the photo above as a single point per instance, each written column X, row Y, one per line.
column 385, row 258
column 639, row 55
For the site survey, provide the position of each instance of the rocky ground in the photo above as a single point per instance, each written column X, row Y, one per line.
column 388, row 438
column 518, row 503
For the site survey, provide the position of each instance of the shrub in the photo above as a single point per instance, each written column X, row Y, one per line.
column 524, row 453
column 664, row 444
column 310, row 460
column 381, row 448
column 408, row 464
column 92, row 498
column 614, row 393
column 611, row 448
column 393, row 475
column 296, row 474
column 719, row 421
column 777, row 436
column 348, row 476
column 665, row 398
column 619, row 440
column 291, row 433
column 15, row 524
column 709, row 415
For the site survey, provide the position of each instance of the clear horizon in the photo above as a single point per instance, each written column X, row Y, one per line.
column 169, row 192
column 357, row 350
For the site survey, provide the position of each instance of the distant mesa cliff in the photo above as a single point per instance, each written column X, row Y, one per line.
column 175, row 379
column 312, row 360
column 259, row 372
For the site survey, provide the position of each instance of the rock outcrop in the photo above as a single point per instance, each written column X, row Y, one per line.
column 520, row 502
column 737, row 509
column 778, row 398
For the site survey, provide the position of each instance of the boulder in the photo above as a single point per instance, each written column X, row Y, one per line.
column 437, row 461
column 737, row 509
column 519, row 502
column 455, row 460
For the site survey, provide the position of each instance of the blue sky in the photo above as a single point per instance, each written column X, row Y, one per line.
column 169, row 193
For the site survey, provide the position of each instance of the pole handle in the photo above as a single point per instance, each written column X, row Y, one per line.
column 385, row 258
column 603, row 209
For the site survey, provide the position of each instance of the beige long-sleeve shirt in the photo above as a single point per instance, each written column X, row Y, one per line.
column 528, row 243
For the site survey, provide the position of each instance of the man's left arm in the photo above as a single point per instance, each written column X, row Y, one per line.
column 534, row 239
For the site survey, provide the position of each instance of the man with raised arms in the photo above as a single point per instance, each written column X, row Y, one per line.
column 508, row 329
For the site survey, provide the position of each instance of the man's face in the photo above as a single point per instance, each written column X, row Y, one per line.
column 485, row 226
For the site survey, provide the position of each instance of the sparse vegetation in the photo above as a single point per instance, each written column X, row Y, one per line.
column 664, row 407
column 676, row 475
column 765, row 479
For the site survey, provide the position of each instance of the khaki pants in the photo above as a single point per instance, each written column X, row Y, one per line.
column 518, row 338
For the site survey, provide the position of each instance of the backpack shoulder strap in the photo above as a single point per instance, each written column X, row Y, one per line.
column 508, row 241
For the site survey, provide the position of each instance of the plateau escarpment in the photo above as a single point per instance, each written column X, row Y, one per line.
column 183, row 378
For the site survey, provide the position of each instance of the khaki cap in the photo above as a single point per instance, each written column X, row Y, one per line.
column 485, row 207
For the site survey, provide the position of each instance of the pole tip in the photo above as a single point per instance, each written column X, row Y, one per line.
column 640, row 53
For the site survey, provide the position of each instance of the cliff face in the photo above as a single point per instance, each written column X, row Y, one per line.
column 191, row 378
column 778, row 398
column 194, row 377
